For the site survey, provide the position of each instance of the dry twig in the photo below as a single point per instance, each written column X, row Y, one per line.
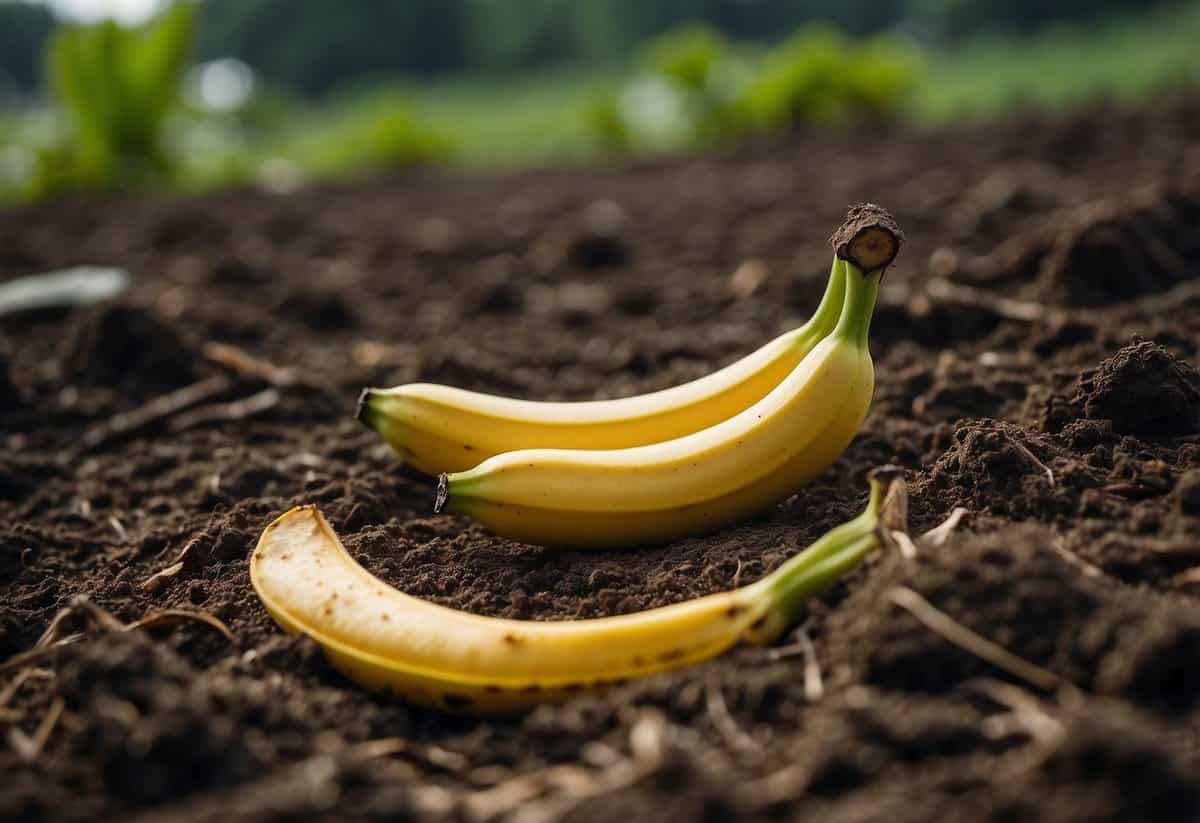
column 31, row 656
column 234, row 411
column 1032, row 458
column 814, row 687
column 723, row 722
column 158, row 409
column 242, row 363
column 159, row 579
column 1059, row 547
column 946, row 291
column 174, row 616
column 954, row 632
column 940, row 533
column 904, row 543
column 1026, row 713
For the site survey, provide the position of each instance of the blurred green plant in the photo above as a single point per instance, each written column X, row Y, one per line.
column 366, row 133
column 694, row 90
column 116, row 87
column 689, row 55
column 818, row 77
column 683, row 94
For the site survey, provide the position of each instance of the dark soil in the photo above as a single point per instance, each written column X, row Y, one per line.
column 1035, row 349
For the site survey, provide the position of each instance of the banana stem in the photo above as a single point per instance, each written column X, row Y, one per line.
column 825, row 319
column 862, row 289
column 817, row 567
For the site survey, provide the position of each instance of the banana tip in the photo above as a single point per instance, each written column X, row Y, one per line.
column 360, row 413
column 886, row 474
column 869, row 237
column 443, row 491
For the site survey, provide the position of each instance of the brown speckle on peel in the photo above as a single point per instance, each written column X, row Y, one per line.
column 385, row 617
column 734, row 611
column 513, row 639
column 639, row 661
column 869, row 237
column 672, row 655
column 758, row 624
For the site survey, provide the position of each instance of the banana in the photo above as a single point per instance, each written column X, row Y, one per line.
column 393, row 643
column 693, row 484
column 441, row 429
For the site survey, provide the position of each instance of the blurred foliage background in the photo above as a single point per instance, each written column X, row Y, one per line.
column 275, row 92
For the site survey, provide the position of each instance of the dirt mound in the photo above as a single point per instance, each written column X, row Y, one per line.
column 126, row 349
column 1111, row 251
column 1107, row 763
column 1143, row 389
column 996, row 467
column 1009, row 586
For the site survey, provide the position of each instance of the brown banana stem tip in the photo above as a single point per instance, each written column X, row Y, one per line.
column 869, row 237
column 443, row 491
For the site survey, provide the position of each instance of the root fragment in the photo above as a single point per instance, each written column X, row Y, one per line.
column 940, row 533
column 945, row 291
column 169, row 617
column 1059, row 547
column 1026, row 713
column 157, row 410
column 723, row 722
column 904, row 543
column 1032, row 458
column 954, row 632
column 119, row 528
column 547, row 795
column 31, row 656
column 106, row 622
column 29, row 748
column 242, row 363
column 159, row 579
column 814, row 687
column 247, row 407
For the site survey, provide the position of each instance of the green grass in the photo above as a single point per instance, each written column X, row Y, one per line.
column 506, row 122
column 518, row 120
column 1126, row 59
column 540, row 118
